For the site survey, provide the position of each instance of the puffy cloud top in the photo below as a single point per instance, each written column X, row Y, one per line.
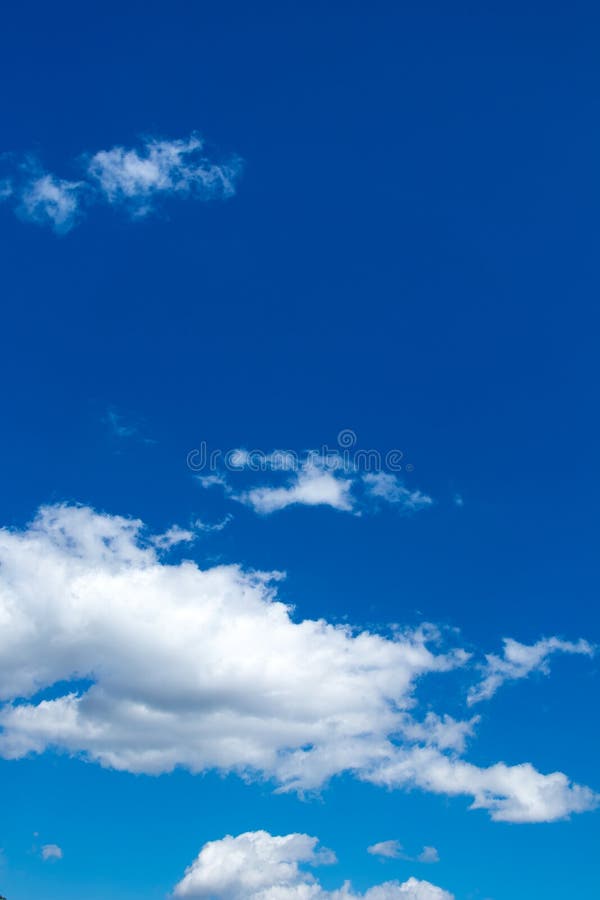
column 260, row 866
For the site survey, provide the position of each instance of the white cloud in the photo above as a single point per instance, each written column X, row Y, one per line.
column 315, row 480
column 136, row 177
column 207, row 669
column 214, row 480
column 388, row 849
column 176, row 535
column 511, row 793
column 47, row 200
column 311, row 485
column 443, row 732
column 51, row 851
column 394, row 850
column 388, row 487
column 208, row 527
column 259, row 866
column 173, row 536
column 133, row 178
column 519, row 661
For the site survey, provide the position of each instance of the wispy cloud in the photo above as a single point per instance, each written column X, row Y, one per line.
column 136, row 179
column 319, row 480
column 119, row 425
column 51, row 851
column 519, row 661
column 126, row 426
column 394, row 850
column 47, row 200
column 209, row 527
column 388, row 487
column 176, row 535
column 388, row 849
column 172, row 537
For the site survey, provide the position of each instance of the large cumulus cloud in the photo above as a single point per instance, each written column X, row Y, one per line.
column 172, row 665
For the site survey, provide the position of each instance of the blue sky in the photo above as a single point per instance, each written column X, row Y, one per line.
column 260, row 227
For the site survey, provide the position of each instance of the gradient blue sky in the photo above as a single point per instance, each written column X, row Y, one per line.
column 411, row 253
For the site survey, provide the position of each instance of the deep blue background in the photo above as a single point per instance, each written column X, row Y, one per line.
column 412, row 253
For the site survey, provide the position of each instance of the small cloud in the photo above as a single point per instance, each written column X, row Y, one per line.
column 458, row 500
column 118, row 425
column 125, row 427
column 519, row 661
column 177, row 535
column 173, row 536
column 207, row 527
column 387, row 849
column 394, row 850
column 313, row 485
column 209, row 481
column 316, row 479
column 388, row 487
column 428, row 855
column 47, row 200
column 135, row 178
column 51, row 851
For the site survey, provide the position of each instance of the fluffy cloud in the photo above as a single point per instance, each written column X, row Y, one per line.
column 259, row 866
column 133, row 178
column 47, row 200
column 511, row 793
column 519, row 661
column 178, row 666
column 312, row 485
column 136, row 178
column 51, row 851
column 316, row 480
column 428, row 855
column 388, row 849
